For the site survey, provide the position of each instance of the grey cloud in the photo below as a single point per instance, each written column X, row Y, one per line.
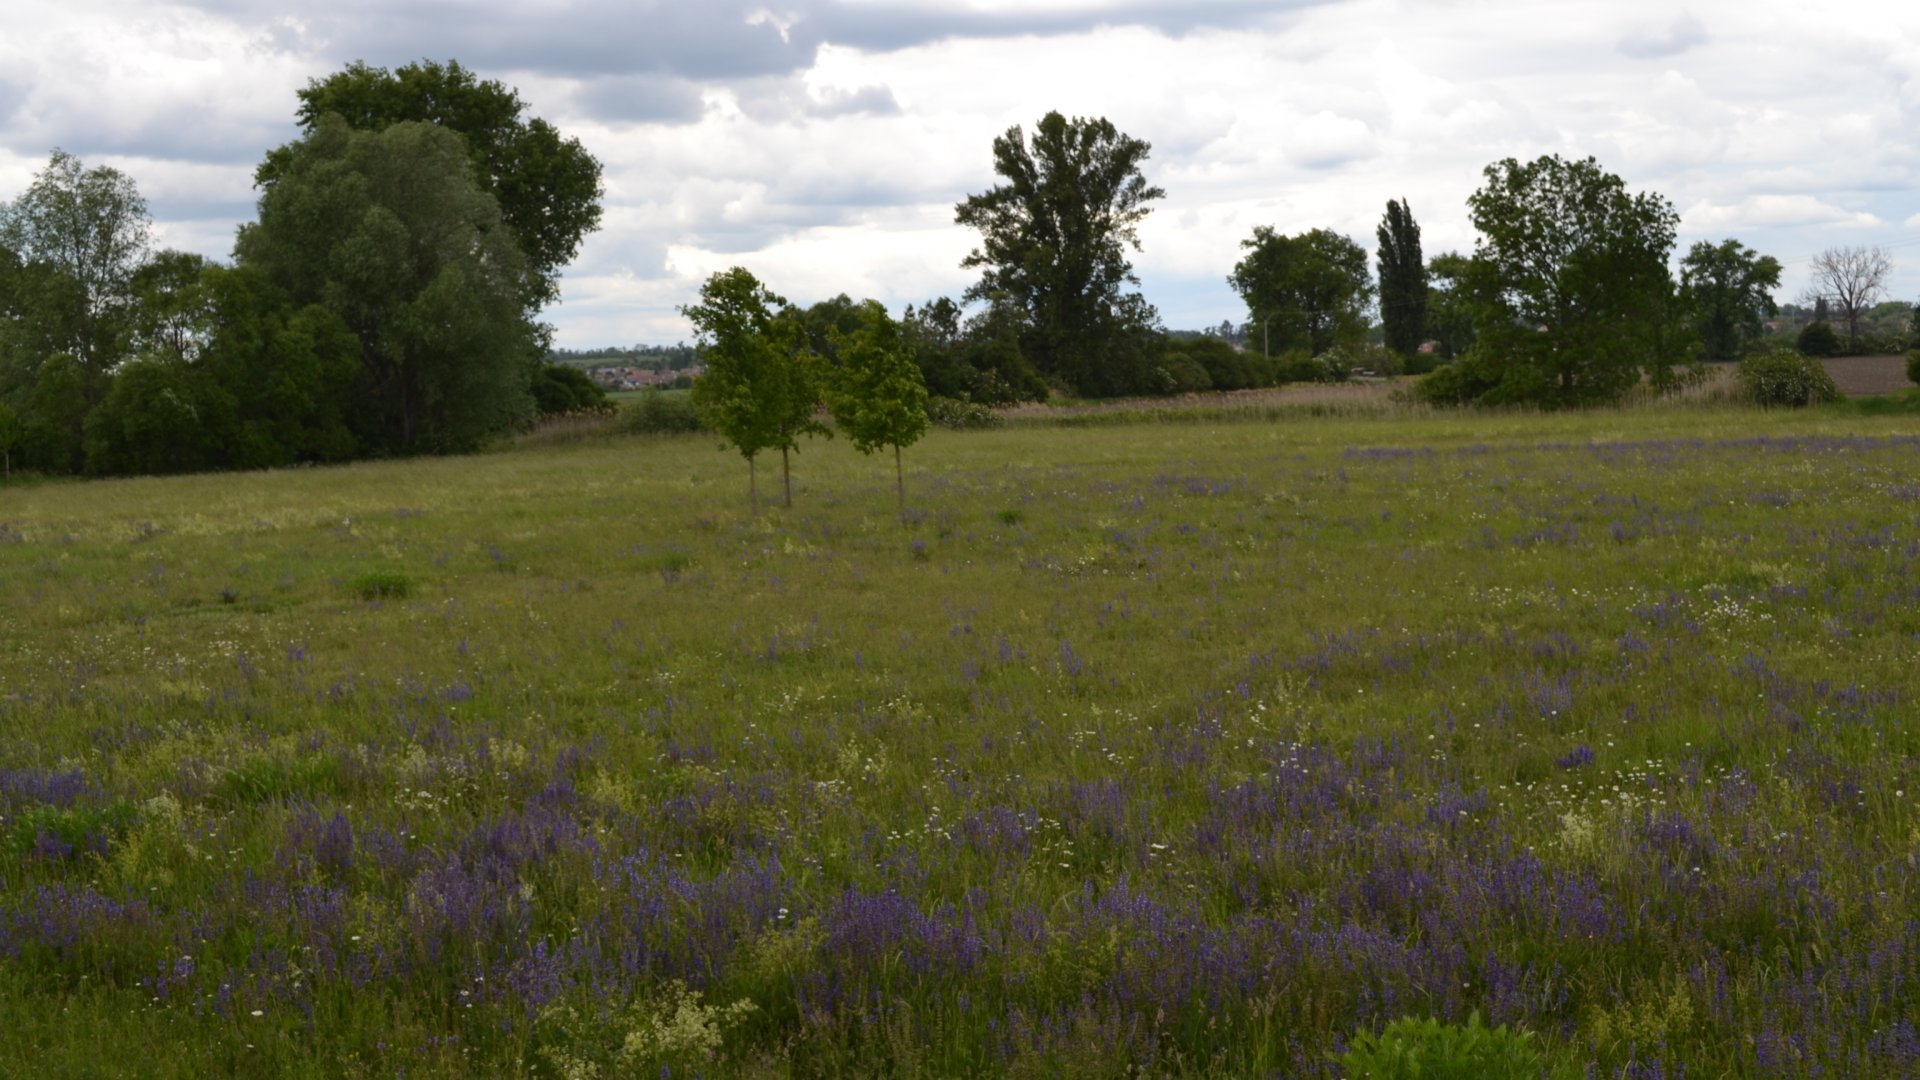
column 709, row 40
column 905, row 25
column 12, row 96
column 713, row 39
column 1684, row 33
column 649, row 99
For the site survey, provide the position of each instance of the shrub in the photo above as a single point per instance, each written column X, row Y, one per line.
column 961, row 415
column 558, row 389
column 1178, row 373
column 658, row 413
column 1297, row 366
column 1913, row 366
column 1818, row 339
column 1785, row 379
column 1476, row 378
column 1429, row 1050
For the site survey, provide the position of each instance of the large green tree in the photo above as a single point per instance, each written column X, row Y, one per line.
column 761, row 384
column 1054, row 241
column 1570, row 277
column 1450, row 310
column 877, row 395
column 1403, row 279
column 1309, row 291
column 1728, row 287
column 547, row 185
column 390, row 230
column 77, row 236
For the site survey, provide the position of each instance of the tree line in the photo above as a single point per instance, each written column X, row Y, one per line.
column 383, row 302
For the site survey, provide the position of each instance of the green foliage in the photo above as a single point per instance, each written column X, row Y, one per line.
column 1569, row 280
column 1913, row 369
column 1403, row 279
column 1450, row 309
column 389, row 231
column 1787, row 379
column 1426, row 1049
column 1818, row 339
column 1308, row 291
column 69, row 831
column 761, row 384
column 382, row 585
column 877, row 396
column 1225, row 367
column 659, row 413
column 74, row 240
column 1177, row 372
column 1728, row 289
column 1054, row 239
column 957, row 415
column 1296, row 367
column 547, row 186
column 559, row 389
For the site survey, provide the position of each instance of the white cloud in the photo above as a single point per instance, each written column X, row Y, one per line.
column 1767, row 211
column 829, row 158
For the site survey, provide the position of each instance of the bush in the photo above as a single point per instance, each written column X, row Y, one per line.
column 1785, row 379
column 1178, row 373
column 1818, row 339
column 1412, row 1049
column 1297, row 366
column 558, row 389
column 658, row 413
column 961, row 415
column 1913, row 366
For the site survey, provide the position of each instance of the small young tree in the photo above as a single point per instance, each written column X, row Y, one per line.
column 879, row 398
column 759, row 390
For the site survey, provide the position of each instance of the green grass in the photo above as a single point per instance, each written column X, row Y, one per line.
column 1198, row 747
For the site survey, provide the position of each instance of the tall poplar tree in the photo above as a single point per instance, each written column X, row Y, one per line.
column 1403, row 279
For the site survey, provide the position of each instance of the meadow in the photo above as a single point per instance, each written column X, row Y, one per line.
column 1128, row 748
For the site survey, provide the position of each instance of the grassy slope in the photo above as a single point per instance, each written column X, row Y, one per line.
column 1084, row 703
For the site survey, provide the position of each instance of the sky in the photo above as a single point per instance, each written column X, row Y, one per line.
column 823, row 144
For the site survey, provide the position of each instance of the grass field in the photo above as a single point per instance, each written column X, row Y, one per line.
column 1183, row 749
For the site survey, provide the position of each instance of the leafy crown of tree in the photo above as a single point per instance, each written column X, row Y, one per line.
column 1570, row 275
column 1309, row 291
column 1054, row 240
column 1729, row 289
column 547, row 185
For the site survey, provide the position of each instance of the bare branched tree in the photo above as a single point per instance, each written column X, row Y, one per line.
column 1852, row 278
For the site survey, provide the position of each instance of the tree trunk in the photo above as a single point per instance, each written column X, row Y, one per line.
column 899, row 478
column 786, row 477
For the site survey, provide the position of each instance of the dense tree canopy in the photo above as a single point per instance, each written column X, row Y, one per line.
column 389, row 230
column 1054, row 240
column 1728, row 287
column 75, row 239
column 1569, row 276
column 1403, row 280
column 1309, row 291
column 547, row 186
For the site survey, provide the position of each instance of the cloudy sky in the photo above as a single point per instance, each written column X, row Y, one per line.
column 823, row 143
